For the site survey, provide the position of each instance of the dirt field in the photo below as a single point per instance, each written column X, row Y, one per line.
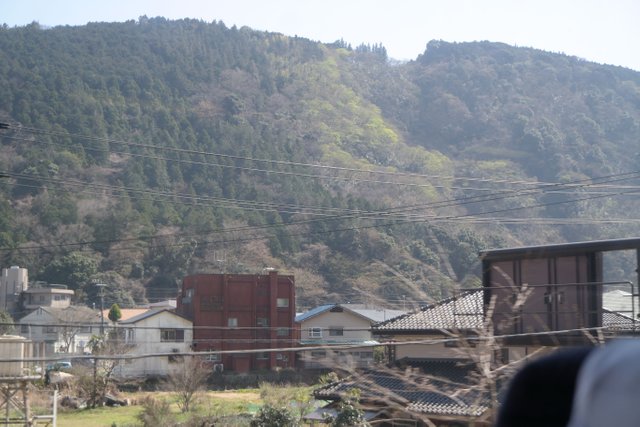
column 233, row 395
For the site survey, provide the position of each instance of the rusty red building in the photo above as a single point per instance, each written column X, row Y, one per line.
column 248, row 318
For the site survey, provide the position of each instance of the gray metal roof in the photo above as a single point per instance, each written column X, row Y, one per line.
column 373, row 314
column 620, row 301
column 73, row 313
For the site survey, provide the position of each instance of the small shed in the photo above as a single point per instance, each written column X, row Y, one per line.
column 13, row 350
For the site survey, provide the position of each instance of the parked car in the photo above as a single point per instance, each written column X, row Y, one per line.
column 59, row 366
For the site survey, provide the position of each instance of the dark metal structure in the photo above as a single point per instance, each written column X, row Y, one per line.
column 553, row 293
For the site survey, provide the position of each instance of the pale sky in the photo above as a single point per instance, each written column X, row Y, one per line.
column 603, row 31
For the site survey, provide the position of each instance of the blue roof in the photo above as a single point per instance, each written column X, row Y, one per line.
column 314, row 311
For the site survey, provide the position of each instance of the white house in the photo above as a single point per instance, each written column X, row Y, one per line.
column 340, row 325
column 60, row 330
column 156, row 331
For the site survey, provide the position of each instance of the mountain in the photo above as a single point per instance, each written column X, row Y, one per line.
column 140, row 152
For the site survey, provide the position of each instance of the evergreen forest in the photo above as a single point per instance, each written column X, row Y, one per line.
column 135, row 153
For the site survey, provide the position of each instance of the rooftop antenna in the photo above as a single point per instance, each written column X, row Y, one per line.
column 220, row 260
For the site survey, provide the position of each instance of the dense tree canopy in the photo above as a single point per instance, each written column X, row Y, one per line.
column 142, row 151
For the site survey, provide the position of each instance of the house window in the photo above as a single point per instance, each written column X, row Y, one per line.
column 315, row 332
column 262, row 321
column 336, row 331
column 262, row 356
column 172, row 335
column 319, row 354
column 366, row 355
column 282, row 302
column 232, row 322
column 282, row 332
column 24, row 329
column 49, row 329
column 188, row 296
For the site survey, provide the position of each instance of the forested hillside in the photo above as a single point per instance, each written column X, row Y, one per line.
column 136, row 153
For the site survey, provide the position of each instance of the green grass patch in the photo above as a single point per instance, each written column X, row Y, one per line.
column 209, row 405
column 120, row 416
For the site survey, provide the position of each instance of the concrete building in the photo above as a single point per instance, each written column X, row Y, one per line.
column 248, row 316
column 56, row 296
column 13, row 281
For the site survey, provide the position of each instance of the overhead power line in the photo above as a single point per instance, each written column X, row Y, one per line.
column 271, row 161
column 383, row 214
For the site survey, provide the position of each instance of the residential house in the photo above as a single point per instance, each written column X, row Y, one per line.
column 434, row 365
column 154, row 331
column 125, row 314
column 56, row 296
column 443, row 394
column 451, row 329
column 534, row 299
column 444, row 330
column 60, row 330
column 340, row 325
column 247, row 318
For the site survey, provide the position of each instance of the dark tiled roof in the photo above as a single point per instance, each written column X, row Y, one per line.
column 618, row 321
column 464, row 311
column 439, row 388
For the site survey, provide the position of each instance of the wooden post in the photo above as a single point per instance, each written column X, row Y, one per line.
column 25, row 399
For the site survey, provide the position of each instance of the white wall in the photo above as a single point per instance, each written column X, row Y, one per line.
column 146, row 339
column 355, row 328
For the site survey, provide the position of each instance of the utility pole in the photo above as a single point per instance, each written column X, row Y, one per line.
column 101, row 286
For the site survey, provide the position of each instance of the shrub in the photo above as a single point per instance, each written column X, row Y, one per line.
column 274, row 416
column 156, row 413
